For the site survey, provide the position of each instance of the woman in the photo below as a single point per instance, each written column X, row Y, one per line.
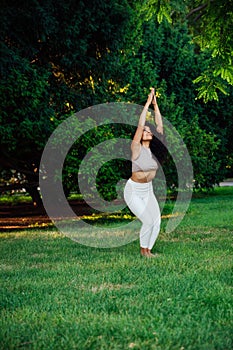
column 138, row 192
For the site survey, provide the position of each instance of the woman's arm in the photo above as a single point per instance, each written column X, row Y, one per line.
column 158, row 117
column 142, row 118
column 136, row 145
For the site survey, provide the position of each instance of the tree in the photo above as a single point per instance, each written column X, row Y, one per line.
column 57, row 58
column 24, row 121
column 211, row 23
column 60, row 57
column 211, row 26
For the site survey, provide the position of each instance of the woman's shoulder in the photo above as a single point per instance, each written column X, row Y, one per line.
column 136, row 149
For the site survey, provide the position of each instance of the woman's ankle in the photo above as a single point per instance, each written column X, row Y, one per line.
column 143, row 251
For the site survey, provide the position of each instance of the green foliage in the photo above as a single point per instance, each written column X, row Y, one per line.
column 177, row 64
column 212, row 28
column 208, row 86
column 109, row 172
column 203, row 147
column 160, row 9
column 60, row 58
column 56, row 60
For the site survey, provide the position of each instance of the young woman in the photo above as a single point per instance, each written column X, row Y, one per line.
column 138, row 192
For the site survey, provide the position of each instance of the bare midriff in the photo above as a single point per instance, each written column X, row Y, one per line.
column 143, row 176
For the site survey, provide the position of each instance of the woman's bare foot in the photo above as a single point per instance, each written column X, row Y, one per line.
column 147, row 253
column 150, row 255
column 143, row 251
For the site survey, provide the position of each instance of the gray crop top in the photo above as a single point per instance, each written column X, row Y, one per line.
column 145, row 161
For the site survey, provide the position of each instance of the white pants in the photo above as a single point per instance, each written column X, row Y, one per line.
column 141, row 201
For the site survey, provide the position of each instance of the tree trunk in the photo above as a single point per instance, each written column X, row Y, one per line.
column 35, row 194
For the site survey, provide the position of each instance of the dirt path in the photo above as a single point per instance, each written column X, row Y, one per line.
column 22, row 216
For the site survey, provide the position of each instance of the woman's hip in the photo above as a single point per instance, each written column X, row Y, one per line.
column 138, row 187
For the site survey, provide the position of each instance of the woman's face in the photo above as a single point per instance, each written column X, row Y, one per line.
column 147, row 134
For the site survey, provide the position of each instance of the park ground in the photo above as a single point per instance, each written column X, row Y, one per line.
column 58, row 294
column 21, row 214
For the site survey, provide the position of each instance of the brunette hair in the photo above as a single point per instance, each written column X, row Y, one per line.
column 158, row 144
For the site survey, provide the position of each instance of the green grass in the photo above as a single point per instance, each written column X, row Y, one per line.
column 15, row 198
column 18, row 198
column 57, row 294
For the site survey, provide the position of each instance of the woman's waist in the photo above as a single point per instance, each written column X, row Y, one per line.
column 143, row 176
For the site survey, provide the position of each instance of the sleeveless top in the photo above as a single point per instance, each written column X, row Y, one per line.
column 145, row 161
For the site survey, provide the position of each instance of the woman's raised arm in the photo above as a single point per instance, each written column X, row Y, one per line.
column 158, row 117
column 142, row 118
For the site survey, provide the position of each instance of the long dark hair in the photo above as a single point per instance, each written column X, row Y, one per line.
column 158, row 144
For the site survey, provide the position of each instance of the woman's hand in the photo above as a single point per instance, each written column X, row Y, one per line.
column 154, row 101
column 150, row 96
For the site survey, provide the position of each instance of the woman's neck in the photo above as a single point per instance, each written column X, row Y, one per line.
column 146, row 144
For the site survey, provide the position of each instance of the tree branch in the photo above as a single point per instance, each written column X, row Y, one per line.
column 199, row 8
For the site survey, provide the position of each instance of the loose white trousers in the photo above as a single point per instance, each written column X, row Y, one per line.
column 142, row 202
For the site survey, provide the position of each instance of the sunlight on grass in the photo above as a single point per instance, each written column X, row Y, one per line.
column 15, row 199
column 58, row 294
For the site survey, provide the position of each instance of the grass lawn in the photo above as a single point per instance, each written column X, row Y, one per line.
column 57, row 294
